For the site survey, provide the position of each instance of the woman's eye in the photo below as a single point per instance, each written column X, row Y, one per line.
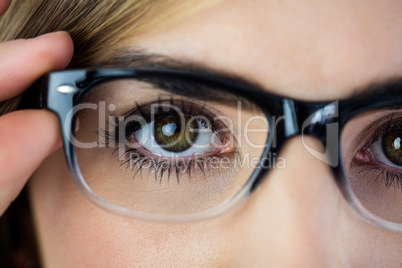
column 178, row 136
column 391, row 144
column 388, row 149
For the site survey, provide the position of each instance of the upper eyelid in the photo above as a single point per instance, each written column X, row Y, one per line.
column 141, row 108
column 378, row 127
column 207, row 111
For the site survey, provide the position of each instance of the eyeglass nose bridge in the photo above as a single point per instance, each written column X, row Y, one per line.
column 314, row 119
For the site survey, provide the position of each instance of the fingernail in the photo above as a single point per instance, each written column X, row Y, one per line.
column 48, row 34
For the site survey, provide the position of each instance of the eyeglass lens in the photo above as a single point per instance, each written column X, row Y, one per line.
column 167, row 148
column 372, row 160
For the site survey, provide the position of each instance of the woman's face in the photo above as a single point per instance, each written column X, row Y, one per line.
column 310, row 50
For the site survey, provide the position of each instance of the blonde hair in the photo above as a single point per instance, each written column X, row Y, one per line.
column 95, row 26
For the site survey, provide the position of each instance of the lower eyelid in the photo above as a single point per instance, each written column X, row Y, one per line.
column 226, row 148
column 136, row 162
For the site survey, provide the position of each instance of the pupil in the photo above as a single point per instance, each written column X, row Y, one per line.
column 172, row 136
column 392, row 147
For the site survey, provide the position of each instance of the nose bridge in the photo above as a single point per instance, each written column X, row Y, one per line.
column 313, row 119
column 292, row 216
column 308, row 118
column 305, row 119
column 317, row 116
column 291, row 219
column 296, row 208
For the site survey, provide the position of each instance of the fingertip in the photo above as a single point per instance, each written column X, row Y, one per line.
column 32, row 130
column 4, row 5
column 58, row 47
column 26, row 139
column 25, row 60
column 49, row 132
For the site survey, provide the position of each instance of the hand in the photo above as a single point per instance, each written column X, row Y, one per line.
column 27, row 136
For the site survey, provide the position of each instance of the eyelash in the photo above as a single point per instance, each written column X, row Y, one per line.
column 159, row 168
column 134, row 160
column 390, row 178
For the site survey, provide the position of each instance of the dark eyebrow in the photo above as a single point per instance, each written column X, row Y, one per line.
column 144, row 60
column 387, row 87
column 141, row 59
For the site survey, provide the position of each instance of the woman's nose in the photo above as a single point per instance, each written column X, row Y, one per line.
column 291, row 219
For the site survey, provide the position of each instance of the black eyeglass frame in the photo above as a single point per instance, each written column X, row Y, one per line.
column 62, row 90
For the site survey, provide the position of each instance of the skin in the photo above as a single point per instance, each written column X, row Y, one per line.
column 312, row 50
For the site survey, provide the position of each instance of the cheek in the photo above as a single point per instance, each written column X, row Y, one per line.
column 364, row 245
column 74, row 232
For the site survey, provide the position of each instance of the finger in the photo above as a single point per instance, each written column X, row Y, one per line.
column 4, row 4
column 25, row 60
column 26, row 138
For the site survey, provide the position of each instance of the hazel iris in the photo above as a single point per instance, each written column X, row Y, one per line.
column 392, row 146
column 175, row 134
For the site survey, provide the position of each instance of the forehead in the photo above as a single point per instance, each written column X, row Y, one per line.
column 303, row 49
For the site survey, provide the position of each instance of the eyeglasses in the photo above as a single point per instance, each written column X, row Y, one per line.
column 171, row 146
